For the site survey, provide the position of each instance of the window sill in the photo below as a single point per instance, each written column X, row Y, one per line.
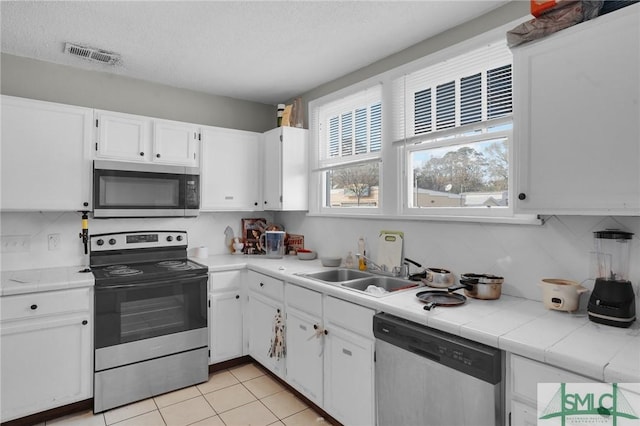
column 511, row 220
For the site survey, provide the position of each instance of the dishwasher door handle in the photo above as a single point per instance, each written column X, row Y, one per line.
column 416, row 350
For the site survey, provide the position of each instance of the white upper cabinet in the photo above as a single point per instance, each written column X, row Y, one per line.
column 128, row 137
column 122, row 136
column 175, row 143
column 577, row 119
column 286, row 164
column 230, row 170
column 46, row 163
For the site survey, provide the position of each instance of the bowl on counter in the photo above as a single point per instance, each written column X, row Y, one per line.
column 304, row 254
column 331, row 261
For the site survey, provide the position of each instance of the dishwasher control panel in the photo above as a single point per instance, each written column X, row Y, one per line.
column 472, row 358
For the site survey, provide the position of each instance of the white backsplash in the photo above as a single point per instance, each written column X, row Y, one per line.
column 522, row 254
column 205, row 230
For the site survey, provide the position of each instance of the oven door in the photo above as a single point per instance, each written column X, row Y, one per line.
column 134, row 312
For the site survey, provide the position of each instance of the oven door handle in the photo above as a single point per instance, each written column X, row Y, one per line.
column 179, row 280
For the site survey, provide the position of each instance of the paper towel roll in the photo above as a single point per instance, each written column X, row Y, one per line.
column 202, row 252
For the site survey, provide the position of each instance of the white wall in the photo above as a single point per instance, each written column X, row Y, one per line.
column 204, row 230
column 522, row 254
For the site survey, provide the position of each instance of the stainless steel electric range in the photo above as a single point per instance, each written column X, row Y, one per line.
column 150, row 328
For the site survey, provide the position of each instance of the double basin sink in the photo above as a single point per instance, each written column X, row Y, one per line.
column 365, row 282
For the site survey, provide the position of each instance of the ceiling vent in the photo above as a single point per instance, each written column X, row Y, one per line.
column 92, row 54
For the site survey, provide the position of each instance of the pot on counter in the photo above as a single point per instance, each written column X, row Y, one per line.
column 438, row 278
column 561, row 295
column 480, row 286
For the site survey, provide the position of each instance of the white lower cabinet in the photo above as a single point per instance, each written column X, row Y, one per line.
column 265, row 305
column 523, row 376
column 305, row 342
column 349, row 394
column 46, row 351
column 225, row 315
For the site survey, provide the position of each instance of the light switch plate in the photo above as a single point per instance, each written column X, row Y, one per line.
column 15, row 243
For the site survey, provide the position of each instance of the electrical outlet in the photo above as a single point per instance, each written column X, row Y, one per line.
column 15, row 243
column 54, row 241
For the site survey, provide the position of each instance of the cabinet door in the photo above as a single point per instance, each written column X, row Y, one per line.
column 272, row 160
column 46, row 363
column 261, row 315
column 46, row 161
column 225, row 326
column 122, row 136
column 295, row 169
column 230, row 170
column 577, row 119
column 348, row 377
column 305, row 342
column 175, row 143
column 523, row 414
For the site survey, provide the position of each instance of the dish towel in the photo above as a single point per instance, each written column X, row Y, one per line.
column 277, row 348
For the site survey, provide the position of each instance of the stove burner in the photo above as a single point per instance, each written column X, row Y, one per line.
column 175, row 265
column 115, row 267
column 125, row 272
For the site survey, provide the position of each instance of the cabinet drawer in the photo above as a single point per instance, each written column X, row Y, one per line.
column 306, row 300
column 266, row 285
column 45, row 303
column 226, row 280
column 352, row 317
column 526, row 374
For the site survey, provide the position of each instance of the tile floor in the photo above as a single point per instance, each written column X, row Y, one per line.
column 243, row 395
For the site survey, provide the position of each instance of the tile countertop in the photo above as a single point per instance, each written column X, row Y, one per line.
column 520, row 326
column 46, row 279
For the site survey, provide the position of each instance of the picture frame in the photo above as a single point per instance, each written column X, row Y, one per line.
column 252, row 229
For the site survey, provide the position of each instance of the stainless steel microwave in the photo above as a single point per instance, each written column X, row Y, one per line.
column 122, row 189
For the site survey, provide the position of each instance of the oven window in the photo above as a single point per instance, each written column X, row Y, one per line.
column 136, row 191
column 127, row 314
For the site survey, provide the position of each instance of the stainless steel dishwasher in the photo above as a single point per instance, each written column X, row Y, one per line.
column 425, row 377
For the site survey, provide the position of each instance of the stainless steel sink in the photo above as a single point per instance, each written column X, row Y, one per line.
column 360, row 281
column 386, row 283
column 337, row 275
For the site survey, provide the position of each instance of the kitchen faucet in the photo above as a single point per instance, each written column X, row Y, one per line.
column 397, row 271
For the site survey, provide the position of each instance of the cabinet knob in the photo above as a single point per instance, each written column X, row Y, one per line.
column 157, row 155
column 522, row 196
column 315, row 326
column 85, row 204
column 34, row 307
column 326, row 332
column 141, row 154
column 255, row 204
column 237, row 296
column 85, row 322
column 261, row 284
column 265, row 202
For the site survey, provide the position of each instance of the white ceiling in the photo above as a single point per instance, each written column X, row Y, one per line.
column 261, row 51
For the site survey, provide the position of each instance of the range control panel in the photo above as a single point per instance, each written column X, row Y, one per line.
column 137, row 240
column 472, row 358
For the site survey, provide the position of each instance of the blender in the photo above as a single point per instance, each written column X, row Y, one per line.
column 612, row 300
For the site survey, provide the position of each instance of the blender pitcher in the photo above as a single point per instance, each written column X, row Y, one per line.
column 612, row 301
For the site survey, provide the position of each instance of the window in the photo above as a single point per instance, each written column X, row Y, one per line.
column 457, row 124
column 349, row 150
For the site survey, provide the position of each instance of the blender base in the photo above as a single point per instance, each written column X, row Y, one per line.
column 612, row 303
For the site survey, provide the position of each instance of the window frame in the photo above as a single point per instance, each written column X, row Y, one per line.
column 394, row 176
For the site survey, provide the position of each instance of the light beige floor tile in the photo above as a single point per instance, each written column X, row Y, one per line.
column 176, row 396
column 210, row 421
column 228, row 398
column 306, row 417
column 283, row 404
column 253, row 414
column 278, row 423
column 187, row 412
column 246, row 372
column 152, row 418
column 263, row 386
column 83, row 418
column 128, row 411
column 218, row 380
